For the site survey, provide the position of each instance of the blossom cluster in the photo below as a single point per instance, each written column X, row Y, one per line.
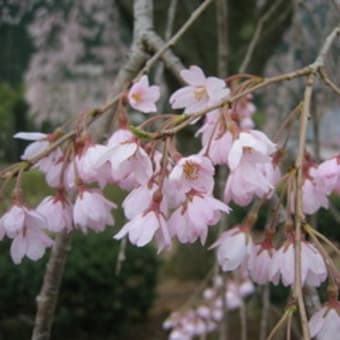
column 172, row 196
column 208, row 312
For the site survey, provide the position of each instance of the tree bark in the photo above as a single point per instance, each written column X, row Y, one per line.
column 47, row 299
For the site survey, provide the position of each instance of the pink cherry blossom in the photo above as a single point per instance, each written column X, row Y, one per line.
column 251, row 178
column 193, row 172
column 142, row 97
column 253, row 142
column 260, row 262
column 31, row 242
column 191, row 219
column 313, row 268
column 143, row 227
column 319, row 183
column 325, row 323
column 218, row 140
column 92, row 211
column 140, row 199
column 200, row 93
column 89, row 168
column 127, row 157
column 233, row 247
column 244, row 110
column 60, row 209
column 40, row 143
column 14, row 220
column 25, row 227
column 252, row 171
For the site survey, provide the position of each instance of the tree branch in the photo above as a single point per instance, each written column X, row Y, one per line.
column 47, row 299
column 257, row 34
column 176, row 37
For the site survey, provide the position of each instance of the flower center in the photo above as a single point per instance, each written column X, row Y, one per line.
column 200, row 93
column 191, row 170
column 137, row 97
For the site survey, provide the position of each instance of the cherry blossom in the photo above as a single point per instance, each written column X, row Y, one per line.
column 143, row 227
column 127, row 157
column 200, row 93
column 216, row 142
column 142, row 97
column 260, row 261
column 313, row 268
column 253, row 142
column 92, row 211
column 325, row 323
column 233, row 247
column 58, row 207
column 49, row 165
column 191, row 219
column 31, row 242
column 25, row 227
column 194, row 172
column 320, row 181
column 89, row 168
column 40, row 143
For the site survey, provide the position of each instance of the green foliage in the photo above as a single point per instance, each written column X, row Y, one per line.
column 12, row 114
column 93, row 300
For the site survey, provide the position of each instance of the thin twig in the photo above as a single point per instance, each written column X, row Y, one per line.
column 289, row 327
column 175, row 37
column 257, row 34
column 299, row 214
column 279, row 324
column 243, row 318
column 327, row 80
column 265, row 311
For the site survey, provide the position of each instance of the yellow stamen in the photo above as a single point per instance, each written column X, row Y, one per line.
column 191, row 170
column 200, row 93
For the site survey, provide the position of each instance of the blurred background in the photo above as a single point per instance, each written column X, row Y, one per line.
column 59, row 58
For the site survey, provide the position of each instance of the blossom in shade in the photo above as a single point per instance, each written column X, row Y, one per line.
column 142, row 97
column 194, row 172
column 26, row 228
column 313, row 268
column 61, row 210
column 233, row 247
column 191, row 219
column 260, row 261
column 92, row 211
column 200, row 93
column 325, row 323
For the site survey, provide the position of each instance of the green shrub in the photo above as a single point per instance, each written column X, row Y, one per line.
column 93, row 300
